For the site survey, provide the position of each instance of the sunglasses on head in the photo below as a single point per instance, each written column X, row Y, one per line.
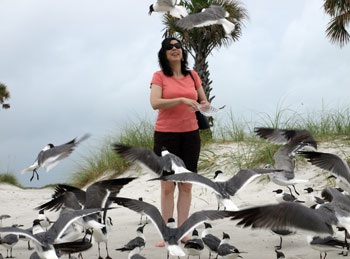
column 170, row 46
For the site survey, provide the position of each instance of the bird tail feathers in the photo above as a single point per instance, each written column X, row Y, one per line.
column 176, row 250
column 228, row 26
column 179, row 12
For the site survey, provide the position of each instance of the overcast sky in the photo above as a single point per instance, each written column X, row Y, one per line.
column 76, row 67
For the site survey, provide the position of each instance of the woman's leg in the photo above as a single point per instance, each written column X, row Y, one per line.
column 184, row 204
column 166, row 203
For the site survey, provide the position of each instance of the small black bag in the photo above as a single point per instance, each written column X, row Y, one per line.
column 203, row 122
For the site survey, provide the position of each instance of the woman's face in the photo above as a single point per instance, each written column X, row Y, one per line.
column 174, row 51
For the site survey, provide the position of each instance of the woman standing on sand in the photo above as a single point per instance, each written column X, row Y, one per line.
column 174, row 93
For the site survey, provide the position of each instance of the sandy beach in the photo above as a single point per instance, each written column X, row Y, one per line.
column 20, row 204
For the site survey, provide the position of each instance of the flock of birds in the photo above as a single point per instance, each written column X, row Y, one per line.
column 83, row 218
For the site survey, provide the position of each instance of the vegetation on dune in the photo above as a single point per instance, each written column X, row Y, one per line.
column 10, row 179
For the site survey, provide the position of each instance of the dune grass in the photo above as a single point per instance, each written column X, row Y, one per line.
column 10, row 179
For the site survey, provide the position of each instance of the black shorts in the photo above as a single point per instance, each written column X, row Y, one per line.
column 185, row 145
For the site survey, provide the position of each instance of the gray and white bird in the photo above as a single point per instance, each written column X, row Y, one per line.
column 284, row 159
column 194, row 246
column 285, row 197
column 226, row 250
column 332, row 163
column 137, row 243
column 70, row 198
column 325, row 244
column 210, row 241
column 215, row 14
column 222, row 189
column 43, row 241
column 294, row 216
column 283, row 136
column 44, row 220
column 9, row 241
column 167, row 163
column 163, row 6
column 50, row 155
column 169, row 232
column 310, row 199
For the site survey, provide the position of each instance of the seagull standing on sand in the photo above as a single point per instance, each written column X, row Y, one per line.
column 226, row 250
column 169, row 232
column 9, row 241
column 50, row 155
column 165, row 164
column 162, row 6
column 137, row 243
column 210, row 241
column 222, row 189
column 213, row 15
column 194, row 246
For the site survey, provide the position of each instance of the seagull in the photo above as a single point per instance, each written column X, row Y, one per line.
column 227, row 251
column 310, row 199
column 44, row 220
column 283, row 136
column 141, row 216
column 162, row 6
column 167, row 163
column 210, row 241
column 100, row 235
column 325, row 244
column 223, row 190
column 50, row 155
column 135, row 255
column 24, row 238
column 71, row 198
column 169, row 232
column 9, row 241
column 137, row 243
column 215, row 14
column 285, row 161
column 43, row 241
column 282, row 197
column 293, row 216
column 332, row 163
column 194, row 246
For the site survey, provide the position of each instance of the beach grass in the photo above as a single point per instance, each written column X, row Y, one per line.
column 9, row 178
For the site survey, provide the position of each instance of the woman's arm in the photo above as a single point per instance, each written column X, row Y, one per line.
column 201, row 95
column 158, row 102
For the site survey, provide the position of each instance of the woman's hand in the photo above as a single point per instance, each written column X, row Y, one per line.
column 190, row 102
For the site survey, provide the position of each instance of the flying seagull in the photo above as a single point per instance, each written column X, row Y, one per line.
column 50, row 155
column 332, row 163
column 69, row 198
column 223, row 189
column 213, row 15
column 284, row 159
column 169, row 232
column 43, row 241
column 283, row 136
column 167, row 163
column 162, row 6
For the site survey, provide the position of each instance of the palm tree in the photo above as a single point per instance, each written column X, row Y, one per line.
column 338, row 27
column 200, row 42
column 4, row 95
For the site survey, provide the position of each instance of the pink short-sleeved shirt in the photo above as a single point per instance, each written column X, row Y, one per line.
column 179, row 118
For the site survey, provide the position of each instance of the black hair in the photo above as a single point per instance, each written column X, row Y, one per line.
column 164, row 62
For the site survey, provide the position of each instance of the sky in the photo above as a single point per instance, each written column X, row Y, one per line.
column 76, row 67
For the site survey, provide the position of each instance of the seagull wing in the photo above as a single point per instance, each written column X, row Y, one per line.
column 329, row 162
column 242, row 178
column 170, row 3
column 198, row 218
column 144, row 208
column 146, row 157
column 288, row 216
column 66, row 200
column 207, row 17
column 18, row 231
column 63, row 222
column 97, row 193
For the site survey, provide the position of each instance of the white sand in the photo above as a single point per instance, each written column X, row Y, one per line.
column 20, row 203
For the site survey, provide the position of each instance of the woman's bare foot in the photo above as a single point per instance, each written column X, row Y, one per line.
column 160, row 244
column 185, row 239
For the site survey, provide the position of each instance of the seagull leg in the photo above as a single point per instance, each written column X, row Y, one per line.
column 280, row 246
column 99, row 251
column 107, row 257
column 29, row 247
column 295, row 189
column 325, row 254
